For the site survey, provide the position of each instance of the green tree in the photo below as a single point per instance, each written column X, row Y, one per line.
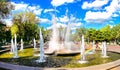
column 79, row 32
column 5, row 9
column 106, row 31
column 45, row 33
column 91, row 34
column 27, row 25
column 14, row 30
column 115, row 32
column 4, row 34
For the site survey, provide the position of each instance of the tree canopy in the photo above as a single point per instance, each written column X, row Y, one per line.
column 25, row 24
column 5, row 9
column 104, row 34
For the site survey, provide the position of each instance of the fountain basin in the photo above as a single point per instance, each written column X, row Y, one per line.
column 26, row 58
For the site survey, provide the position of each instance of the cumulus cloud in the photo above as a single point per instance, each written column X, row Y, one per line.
column 60, row 2
column 22, row 7
column 35, row 9
column 75, row 25
column 115, row 15
column 44, row 20
column 99, row 17
column 78, row 24
column 64, row 19
column 50, row 10
column 94, row 4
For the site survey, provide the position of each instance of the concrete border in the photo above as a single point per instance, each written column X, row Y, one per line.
column 98, row 67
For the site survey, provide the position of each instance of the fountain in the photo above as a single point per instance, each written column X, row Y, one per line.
column 93, row 48
column 59, row 44
column 60, row 40
column 15, row 48
column 34, row 43
column 12, row 47
column 42, row 56
column 67, row 37
column 21, row 48
column 104, row 50
column 54, row 44
column 82, row 52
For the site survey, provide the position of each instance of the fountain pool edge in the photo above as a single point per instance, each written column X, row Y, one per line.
column 94, row 67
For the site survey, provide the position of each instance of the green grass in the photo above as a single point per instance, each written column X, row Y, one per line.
column 24, row 53
column 26, row 58
column 93, row 59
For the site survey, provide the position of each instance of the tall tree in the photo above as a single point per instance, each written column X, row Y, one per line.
column 79, row 32
column 115, row 32
column 27, row 25
column 5, row 9
column 106, row 31
column 91, row 34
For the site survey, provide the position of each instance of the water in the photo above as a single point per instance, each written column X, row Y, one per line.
column 12, row 46
column 93, row 46
column 67, row 36
column 104, row 50
column 54, row 41
column 60, row 38
column 42, row 57
column 15, row 48
column 82, row 51
column 21, row 48
column 34, row 43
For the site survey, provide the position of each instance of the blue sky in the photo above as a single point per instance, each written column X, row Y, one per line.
column 87, row 13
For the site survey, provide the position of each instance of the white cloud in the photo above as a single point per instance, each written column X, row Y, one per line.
column 35, row 9
column 111, row 21
column 75, row 25
column 22, row 7
column 78, row 24
column 44, row 20
column 50, row 10
column 64, row 19
column 115, row 15
column 114, row 6
column 99, row 17
column 60, row 2
column 94, row 4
